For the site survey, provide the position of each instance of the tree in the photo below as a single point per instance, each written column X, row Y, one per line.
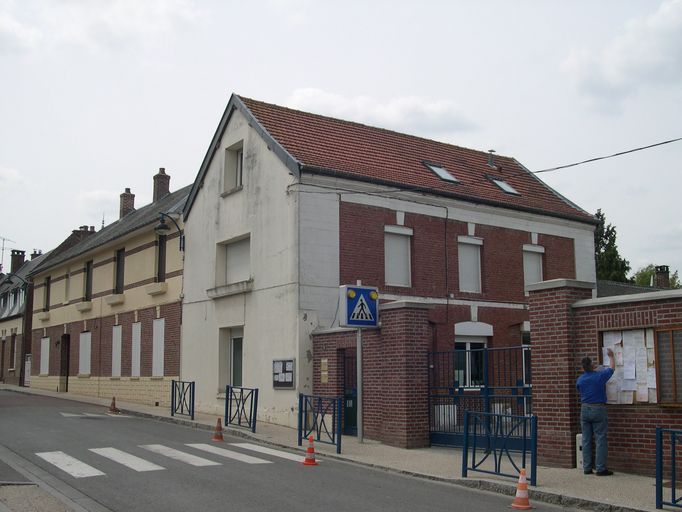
column 643, row 277
column 610, row 265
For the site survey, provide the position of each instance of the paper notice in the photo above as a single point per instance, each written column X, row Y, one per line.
column 611, row 338
column 277, row 366
column 649, row 338
column 641, row 364
column 650, row 357
column 642, row 394
column 605, row 356
column 651, row 377
column 625, row 397
column 290, row 366
column 652, row 396
column 629, row 385
column 612, row 392
column 618, row 352
column 288, row 377
column 629, row 369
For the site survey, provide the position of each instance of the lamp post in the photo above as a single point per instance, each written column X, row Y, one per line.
column 163, row 229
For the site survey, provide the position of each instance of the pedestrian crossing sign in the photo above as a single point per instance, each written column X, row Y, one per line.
column 359, row 306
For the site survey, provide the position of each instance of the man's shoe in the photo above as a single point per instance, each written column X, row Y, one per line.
column 588, row 471
column 606, row 472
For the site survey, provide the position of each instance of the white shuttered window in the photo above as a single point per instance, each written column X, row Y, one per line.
column 469, row 263
column 532, row 264
column 397, row 257
column 157, row 347
column 116, row 351
column 84, row 353
column 135, row 356
column 238, row 261
column 44, row 356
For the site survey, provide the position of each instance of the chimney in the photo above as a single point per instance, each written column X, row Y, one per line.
column 491, row 158
column 127, row 204
column 161, row 184
column 662, row 276
column 36, row 253
column 17, row 260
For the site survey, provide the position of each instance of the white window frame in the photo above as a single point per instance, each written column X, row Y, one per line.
column 136, row 349
column 236, row 334
column 116, row 340
column 158, row 341
column 236, row 250
column 404, row 234
column 233, row 168
column 469, row 242
column 468, row 341
column 84, row 353
column 45, row 356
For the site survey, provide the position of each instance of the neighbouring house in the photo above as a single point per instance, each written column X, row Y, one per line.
column 288, row 205
column 107, row 309
column 644, row 329
column 16, row 293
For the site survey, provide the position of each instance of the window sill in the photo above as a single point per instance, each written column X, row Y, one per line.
column 83, row 375
column 84, row 306
column 157, row 377
column 114, row 378
column 134, row 378
column 221, row 396
column 44, row 375
column 43, row 316
column 156, row 288
column 232, row 191
column 230, row 289
column 115, row 299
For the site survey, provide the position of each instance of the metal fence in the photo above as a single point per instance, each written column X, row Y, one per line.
column 491, row 444
column 660, row 469
column 241, row 407
column 320, row 417
column 182, row 398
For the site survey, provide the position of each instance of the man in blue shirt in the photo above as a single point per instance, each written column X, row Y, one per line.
column 593, row 418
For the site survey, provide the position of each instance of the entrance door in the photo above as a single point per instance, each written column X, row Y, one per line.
column 350, row 393
column 2, row 361
column 65, row 344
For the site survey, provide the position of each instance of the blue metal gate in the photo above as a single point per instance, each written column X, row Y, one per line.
column 487, row 380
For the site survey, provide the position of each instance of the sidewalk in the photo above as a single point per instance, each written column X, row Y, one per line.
column 567, row 487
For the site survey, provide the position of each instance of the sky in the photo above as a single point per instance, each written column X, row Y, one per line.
column 96, row 95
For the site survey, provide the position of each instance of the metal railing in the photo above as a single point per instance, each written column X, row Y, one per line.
column 320, row 417
column 182, row 398
column 241, row 407
column 491, row 440
column 674, row 500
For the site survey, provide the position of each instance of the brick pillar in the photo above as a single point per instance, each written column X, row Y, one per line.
column 555, row 400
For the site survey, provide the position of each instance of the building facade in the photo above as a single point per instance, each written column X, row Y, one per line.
column 107, row 310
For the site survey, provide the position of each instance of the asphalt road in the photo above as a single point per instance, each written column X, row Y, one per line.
column 131, row 463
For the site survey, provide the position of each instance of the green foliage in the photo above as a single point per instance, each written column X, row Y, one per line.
column 643, row 276
column 610, row 265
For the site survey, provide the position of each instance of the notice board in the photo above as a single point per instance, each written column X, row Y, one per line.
column 634, row 380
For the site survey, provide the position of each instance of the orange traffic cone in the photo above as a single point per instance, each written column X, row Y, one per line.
column 310, row 454
column 521, row 501
column 112, row 408
column 218, row 433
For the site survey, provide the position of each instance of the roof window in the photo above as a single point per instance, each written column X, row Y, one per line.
column 505, row 186
column 441, row 172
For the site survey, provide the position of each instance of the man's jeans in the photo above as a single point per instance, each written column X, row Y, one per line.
column 595, row 424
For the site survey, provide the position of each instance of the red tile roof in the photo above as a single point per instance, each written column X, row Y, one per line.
column 366, row 152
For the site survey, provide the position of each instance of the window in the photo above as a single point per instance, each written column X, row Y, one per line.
column 669, row 361
column 67, row 287
column 505, row 186
column 469, row 263
column 44, row 356
column 119, row 271
column 158, row 340
column 13, row 352
column 236, row 340
column 84, row 353
column 12, row 299
column 161, row 259
column 441, row 172
column 46, row 305
column 532, row 264
column 116, row 351
column 469, row 361
column 87, row 292
column 233, row 172
column 397, row 264
column 135, row 356
column 237, row 261
column 3, row 300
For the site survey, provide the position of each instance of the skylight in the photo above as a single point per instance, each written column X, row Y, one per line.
column 505, row 186
column 441, row 172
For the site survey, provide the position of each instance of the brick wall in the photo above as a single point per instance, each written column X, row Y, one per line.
column 395, row 378
column 562, row 336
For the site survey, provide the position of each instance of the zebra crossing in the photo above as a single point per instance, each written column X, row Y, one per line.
column 79, row 469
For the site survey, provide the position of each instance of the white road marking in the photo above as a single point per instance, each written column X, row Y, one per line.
column 127, row 459
column 178, row 455
column 70, row 415
column 229, row 454
column 68, row 464
column 270, row 451
column 94, row 415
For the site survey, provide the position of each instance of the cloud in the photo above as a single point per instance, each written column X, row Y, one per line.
column 94, row 24
column 407, row 113
column 95, row 204
column 647, row 52
column 9, row 177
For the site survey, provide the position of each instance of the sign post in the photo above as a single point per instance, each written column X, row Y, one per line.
column 359, row 308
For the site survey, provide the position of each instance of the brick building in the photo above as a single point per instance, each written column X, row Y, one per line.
column 568, row 324
column 107, row 308
column 289, row 205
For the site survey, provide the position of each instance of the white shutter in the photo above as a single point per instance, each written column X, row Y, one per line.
column 84, row 354
column 397, row 259
column 135, row 357
column 532, row 267
column 44, row 356
column 157, row 347
column 237, row 261
column 469, row 267
column 116, row 351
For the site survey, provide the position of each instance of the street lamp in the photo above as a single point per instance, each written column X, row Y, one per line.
column 163, row 229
